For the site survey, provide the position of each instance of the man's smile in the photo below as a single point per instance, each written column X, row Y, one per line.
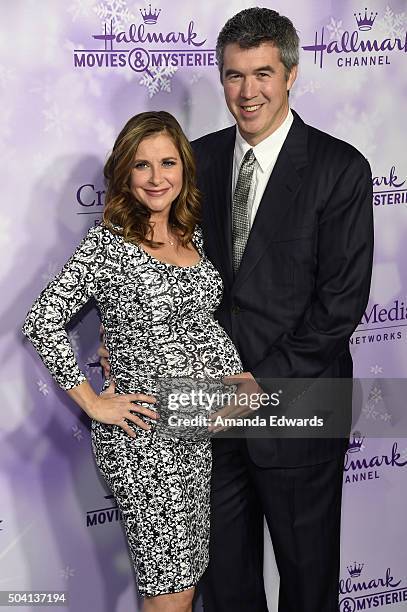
column 249, row 109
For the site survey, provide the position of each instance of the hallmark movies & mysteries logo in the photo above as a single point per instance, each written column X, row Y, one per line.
column 146, row 47
column 358, row 592
column 389, row 190
column 101, row 516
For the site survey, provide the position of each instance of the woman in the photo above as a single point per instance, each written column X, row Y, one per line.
column 157, row 293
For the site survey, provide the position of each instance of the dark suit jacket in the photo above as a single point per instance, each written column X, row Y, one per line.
column 304, row 279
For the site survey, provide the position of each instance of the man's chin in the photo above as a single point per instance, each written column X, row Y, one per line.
column 249, row 130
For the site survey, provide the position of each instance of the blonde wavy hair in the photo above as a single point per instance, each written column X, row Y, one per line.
column 123, row 213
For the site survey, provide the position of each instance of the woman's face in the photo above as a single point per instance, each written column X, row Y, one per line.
column 156, row 176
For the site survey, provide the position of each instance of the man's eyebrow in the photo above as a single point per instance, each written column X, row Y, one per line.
column 230, row 71
column 267, row 68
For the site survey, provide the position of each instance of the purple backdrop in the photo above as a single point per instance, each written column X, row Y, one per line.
column 65, row 95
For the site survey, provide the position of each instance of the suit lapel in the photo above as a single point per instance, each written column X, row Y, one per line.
column 280, row 192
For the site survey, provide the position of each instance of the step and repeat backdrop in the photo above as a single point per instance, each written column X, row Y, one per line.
column 71, row 73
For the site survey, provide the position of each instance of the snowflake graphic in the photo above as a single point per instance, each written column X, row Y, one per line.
column 94, row 85
column 386, row 417
column 310, row 87
column 335, row 29
column 5, row 230
column 375, row 395
column 74, row 340
column 114, row 12
column 56, row 120
column 392, row 25
column 105, row 132
column 158, row 80
column 81, row 8
column 42, row 387
column 361, row 126
column 77, row 433
column 67, row 572
column 370, row 412
column 376, row 369
column 44, row 88
column 195, row 78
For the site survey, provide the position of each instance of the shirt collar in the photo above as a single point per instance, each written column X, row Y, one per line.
column 268, row 149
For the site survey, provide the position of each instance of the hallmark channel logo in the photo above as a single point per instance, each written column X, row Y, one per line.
column 389, row 189
column 359, row 467
column 368, row 41
column 146, row 47
column 365, row 23
column 101, row 516
column 361, row 592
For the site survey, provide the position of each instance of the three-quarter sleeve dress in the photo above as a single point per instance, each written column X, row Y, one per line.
column 159, row 322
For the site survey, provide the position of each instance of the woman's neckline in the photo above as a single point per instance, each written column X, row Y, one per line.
column 167, row 263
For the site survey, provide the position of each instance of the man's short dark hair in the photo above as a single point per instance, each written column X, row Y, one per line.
column 254, row 26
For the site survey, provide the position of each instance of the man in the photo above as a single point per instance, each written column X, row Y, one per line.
column 293, row 240
column 287, row 220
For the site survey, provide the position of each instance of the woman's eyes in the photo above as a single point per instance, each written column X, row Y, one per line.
column 168, row 163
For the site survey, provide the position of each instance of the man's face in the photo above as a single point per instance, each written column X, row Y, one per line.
column 256, row 85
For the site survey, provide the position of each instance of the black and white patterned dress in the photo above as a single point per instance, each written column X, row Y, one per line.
column 158, row 321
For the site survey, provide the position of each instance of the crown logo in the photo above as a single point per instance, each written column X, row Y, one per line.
column 355, row 570
column 356, row 443
column 364, row 22
column 150, row 17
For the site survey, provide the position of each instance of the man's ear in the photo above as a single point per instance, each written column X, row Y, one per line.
column 292, row 77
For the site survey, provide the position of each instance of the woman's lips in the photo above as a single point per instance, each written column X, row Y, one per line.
column 156, row 193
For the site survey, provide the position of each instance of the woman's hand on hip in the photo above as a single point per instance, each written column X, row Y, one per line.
column 116, row 409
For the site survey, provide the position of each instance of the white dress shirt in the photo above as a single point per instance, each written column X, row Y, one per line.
column 266, row 153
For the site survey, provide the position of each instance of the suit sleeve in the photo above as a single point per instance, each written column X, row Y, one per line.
column 64, row 296
column 344, row 265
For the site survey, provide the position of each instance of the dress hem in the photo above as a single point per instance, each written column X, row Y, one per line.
column 170, row 590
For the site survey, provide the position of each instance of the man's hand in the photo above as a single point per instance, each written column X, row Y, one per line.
column 104, row 354
column 246, row 386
